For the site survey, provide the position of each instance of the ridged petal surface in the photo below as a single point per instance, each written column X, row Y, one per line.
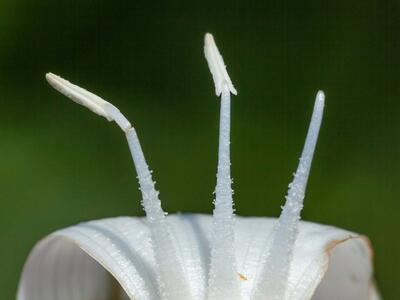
column 85, row 262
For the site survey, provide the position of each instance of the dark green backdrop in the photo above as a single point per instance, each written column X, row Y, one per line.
column 60, row 164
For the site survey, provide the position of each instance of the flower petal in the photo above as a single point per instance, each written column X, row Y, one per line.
column 325, row 259
column 76, row 262
column 58, row 269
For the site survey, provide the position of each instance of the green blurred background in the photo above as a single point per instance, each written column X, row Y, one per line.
column 62, row 165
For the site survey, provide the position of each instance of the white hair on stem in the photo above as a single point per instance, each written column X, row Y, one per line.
column 273, row 279
column 172, row 280
column 223, row 280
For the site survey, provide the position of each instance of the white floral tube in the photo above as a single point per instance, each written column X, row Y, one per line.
column 80, row 262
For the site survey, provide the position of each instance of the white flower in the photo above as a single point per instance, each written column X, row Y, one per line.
column 200, row 257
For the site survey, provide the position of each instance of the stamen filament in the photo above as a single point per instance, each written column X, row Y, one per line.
column 173, row 283
column 223, row 281
column 273, row 279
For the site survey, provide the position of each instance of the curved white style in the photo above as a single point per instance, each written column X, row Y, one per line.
column 200, row 257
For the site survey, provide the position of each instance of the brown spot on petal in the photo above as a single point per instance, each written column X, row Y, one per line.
column 242, row 277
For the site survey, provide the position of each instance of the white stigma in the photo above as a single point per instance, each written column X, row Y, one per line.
column 217, row 66
column 223, row 279
column 172, row 282
column 273, row 279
